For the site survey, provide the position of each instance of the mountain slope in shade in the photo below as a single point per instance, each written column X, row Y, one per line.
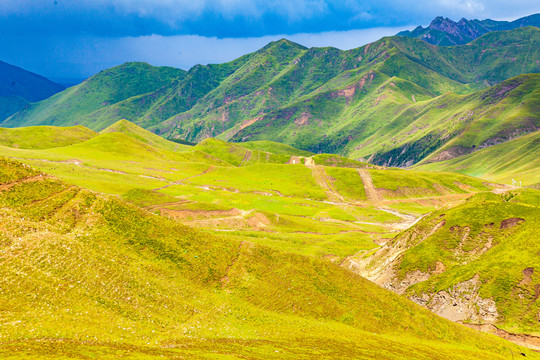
column 445, row 32
column 19, row 87
column 89, row 275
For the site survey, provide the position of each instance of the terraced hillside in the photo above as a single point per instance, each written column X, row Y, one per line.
column 474, row 263
column 396, row 101
column 87, row 275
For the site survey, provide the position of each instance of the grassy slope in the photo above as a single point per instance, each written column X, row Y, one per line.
column 451, row 125
column 501, row 268
column 107, row 87
column 137, row 132
column 517, row 159
column 290, row 202
column 275, row 148
column 44, row 137
column 89, row 275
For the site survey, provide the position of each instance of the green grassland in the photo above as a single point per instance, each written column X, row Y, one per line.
column 517, row 159
column 86, row 275
column 395, row 102
column 44, row 137
column 220, row 186
column 147, row 137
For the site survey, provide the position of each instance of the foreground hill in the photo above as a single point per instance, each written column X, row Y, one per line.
column 445, row 32
column 475, row 263
column 327, row 100
column 19, row 87
column 87, row 275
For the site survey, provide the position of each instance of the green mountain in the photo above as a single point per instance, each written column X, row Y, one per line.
column 19, row 87
column 103, row 89
column 96, row 277
column 475, row 263
column 395, row 102
column 445, row 32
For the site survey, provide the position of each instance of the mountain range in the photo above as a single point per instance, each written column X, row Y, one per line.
column 396, row 102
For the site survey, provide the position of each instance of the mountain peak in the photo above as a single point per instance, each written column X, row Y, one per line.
column 444, row 31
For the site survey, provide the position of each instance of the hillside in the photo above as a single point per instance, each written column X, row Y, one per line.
column 147, row 137
column 517, row 159
column 474, row 263
column 321, row 205
column 372, row 102
column 19, row 87
column 44, row 137
column 103, row 89
column 106, row 278
column 445, row 32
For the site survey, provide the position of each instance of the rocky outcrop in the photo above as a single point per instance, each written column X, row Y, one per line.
column 460, row 303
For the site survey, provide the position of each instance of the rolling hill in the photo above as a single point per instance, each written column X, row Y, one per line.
column 87, row 275
column 445, row 32
column 19, row 87
column 396, row 101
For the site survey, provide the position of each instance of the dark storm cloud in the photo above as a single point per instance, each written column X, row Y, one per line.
column 76, row 38
column 236, row 18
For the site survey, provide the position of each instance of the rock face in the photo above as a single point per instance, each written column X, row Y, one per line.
column 445, row 32
column 460, row 303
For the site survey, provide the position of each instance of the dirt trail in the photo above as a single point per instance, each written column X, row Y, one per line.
column 324, row 181
column 247, row 157
column 225, row 279
column 310, row 163
column 211, row 220
column 4, row 187
column 178, row 182
column 372, row 195
column 529, row 341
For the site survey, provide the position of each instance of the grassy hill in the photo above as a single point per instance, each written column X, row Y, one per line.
column 517, row 159
column 87, row 275
column 473, row 263
column 44, row 137
column 377, row 101
column 147, row 137
column 103, row 89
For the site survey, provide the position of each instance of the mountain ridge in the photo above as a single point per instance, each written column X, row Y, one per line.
column 318, row 99
column 446, row 32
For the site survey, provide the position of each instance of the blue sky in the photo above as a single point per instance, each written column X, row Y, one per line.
column 77, row 38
